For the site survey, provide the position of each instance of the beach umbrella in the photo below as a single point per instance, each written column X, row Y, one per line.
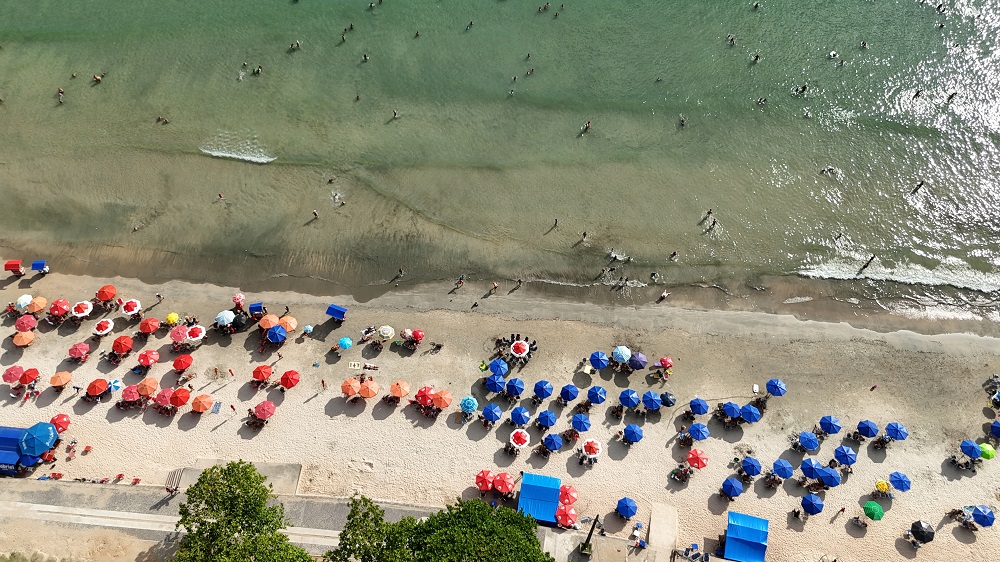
column 307, row 329
column 202, row 403
column 399, row 388
column 809, row 441
column 627, row 507
column 751, row 466
column 239, row 299
column 552, row 442
column 104, row 327
column 289, row 323
column 666, row 362
column 178, row 333
column 731, row 409
column 484, row 480
column 12, row 373
column 882, row 486
column 60, row 422
column 163, row 398
column 899, row 481
column 568, row 494
column 519, row 349
column 750, row 413
column 987, row 451
column 873, row 510
column 106, row 293
column 418, row 335
column 546, row 418
column 148, row 357
column 776, row 387
column 131, row 306
column 83, row 309
column 184, row 361
column 698, row 406
column 264, row 410
column 632, row 433
column 79, row 350
column 543, row 389
column 515, row 387
column 23, row 339
column 277, row 334
column 651, row 400
column 345, row 343
column 732, row 487
column 569, row 392
column 28, row 376
column 225, row 317
column 697, row 458
column 599, row 360
column 180, row 397
column 621, row 354
column 867, row 428
column 699, row 432
column 386, row 332
column 147, row 386
column 149, row 325
column 829, row 476
column 580, row 422
column 629, row 398
column 499, row 367
column 995, row 428
column 520, row 416
column 97, row 387
column 782, row 468
column 292, row 378
column 25, row 323
column 668, row 399
column 196, row 332
column 115, row 385
column 425, row 396
column 59, row 307
column 811, row 468
column 897, row 431
column 370, row 388
column 983, row 515
column 260, row 373
column 566, row 515
column 131, row 393
column 495, row 383
column 172, row 319
column 520, row 438
column 351, row 386
column 61, row 378
column 37, row 305
column 812, row 504
column 504, row 483
column 468, row 405
column 592, row 448
column 830, row 424
column 597, row 395
column 845, row 455
column 38, row 439
column 22, row 302
column 492, row 413
column 122, row 345
column 922, row 531
column 971, row 449
column 268, row 321
column 637, row 361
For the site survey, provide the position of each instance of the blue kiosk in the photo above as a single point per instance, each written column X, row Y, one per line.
column 539, row 498
column 746, row 538
column 14, row 459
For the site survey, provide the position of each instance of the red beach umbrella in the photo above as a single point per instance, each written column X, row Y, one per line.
column 180, row 397
column 697, row 458
column 59, row 307
column 262, row 373
column 418, row 335
column 149, row 357
column 82, row 308
column 290, row 379
column 97, row 387
column 61, row 421
column 122, row 344
column 484, row 480
column 568, row 494
column 183, row 362
column 131, row 393
column 666, row 362
column 566, row 515
column 79, row 350
column 131, row 306
column 12, row 374
column 106, row 293
column 28, row 376
column 519, row 438
column 179, row 333
column 504, row 483
column 163, row 398
column 196, row 333
column 149, row 325
column 519, row 348
column 264, row 410
column 25, row 323
column 425, row 396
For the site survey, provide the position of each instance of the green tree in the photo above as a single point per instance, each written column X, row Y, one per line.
column 368, row 537
column 226, row 518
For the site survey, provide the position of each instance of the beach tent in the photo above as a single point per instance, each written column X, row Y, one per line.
column 539, row 498
column 338, row 312
column 746, row 538
column 38, row 265
column 10, row 450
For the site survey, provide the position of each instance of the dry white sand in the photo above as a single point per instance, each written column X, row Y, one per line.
column 929, row 383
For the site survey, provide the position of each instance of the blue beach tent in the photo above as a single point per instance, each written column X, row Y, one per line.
column 746, row 538
column 338, row 312
column 539, row 498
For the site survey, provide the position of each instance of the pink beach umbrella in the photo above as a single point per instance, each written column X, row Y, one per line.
column 25, row 323
column 239, row 299
column 179, row 333
column 12, row 374
column 163, row 398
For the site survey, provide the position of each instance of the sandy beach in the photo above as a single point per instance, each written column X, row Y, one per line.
column 929, row 383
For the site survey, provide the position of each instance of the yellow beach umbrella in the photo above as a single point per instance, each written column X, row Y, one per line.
column 173, row 318
column 882, row 486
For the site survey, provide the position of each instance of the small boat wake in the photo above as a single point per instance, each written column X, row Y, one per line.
column 237, row 146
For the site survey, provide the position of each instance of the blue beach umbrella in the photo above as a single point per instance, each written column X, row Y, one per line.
column 750, row 413
column 732, row 487
column 809, row 440
column 971, row 449
column 627, row 507
column 845, row 455
column 698, row 406
column 995, row 428
column 638, row 361
column 896, row 431
column 699, row 432
column 546, row 418
column 543, row 389
column 499, row 367
column 468, row 405
column 830, row 424
column 515, row 387
column 569, row 392
column 495, row 383
column 629, row 398
column 520, row 415
column 345, row 343
column 668, row 399
column 829, row 476
column 782, row 468
column 597, row 395
column 651, row 400
column 632, row 433
column 811, row 468
column 621, row 354
column 37, row 439
column 776, row 387
column 812, row 504
column 867, row 428
column 115, row 385
column 307, row 329
column 277, row 334
column 983, row 515
column 731, row 409
column 899, row 481
column 492, row 413
column 580, row 422
column 599, row 360
column 751, row 466
column 552, row 442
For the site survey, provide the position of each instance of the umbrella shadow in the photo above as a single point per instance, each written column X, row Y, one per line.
column 155, row 418
column 502, row 458
column 382, row 410
column 276, row 395
column 535, row 460
column 990, row 414
column 613, row 522
column 81, row 407
column 477, row 431
column 610, row 420
column 616, row 449
column 189, row 421
column 321, row 331
column 855, row 531
column 47, row 397
column 718, row 504
column 876, row 455
column 761, row 489
column 369, row 352
column 247, row 432
column 117, row 414
column 417, row 419
column 904, row 548
column 402, row 350
column 245, row 393
column 11, row 354
column 574, row 468
column 792, row 488
column 582, row 379
column 106, row 367
column 332, row 358
column 794, row 523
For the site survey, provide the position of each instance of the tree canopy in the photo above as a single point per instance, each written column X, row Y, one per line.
column 227, row 518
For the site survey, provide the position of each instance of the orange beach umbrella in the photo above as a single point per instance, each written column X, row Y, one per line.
column 369, row 389
column 399, row 389
column 97, row 387
column 350, row 387
column 24, row 339
column 442, row 399
column 289, row 323
column 268, row 321
column 61, row 378
column 37, row 304
column 147, row 386
column 202, row 403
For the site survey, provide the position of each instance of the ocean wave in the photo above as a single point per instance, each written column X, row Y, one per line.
column 951, row 272
column 237, row 146
column 936, row 312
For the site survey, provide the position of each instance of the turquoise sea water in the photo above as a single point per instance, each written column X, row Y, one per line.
column 492, row 171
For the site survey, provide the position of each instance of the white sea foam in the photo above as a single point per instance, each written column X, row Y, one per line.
column 936, row 312
column 952, row 271
column 796, row 300
column 238, row 146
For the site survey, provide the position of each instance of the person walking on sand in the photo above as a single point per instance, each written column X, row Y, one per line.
column 315, row 214
column 496, row 286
